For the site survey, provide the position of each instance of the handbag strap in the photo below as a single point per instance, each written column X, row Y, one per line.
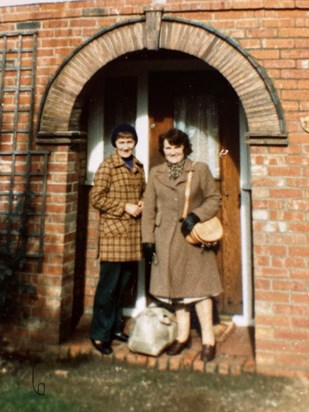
column 187, row 194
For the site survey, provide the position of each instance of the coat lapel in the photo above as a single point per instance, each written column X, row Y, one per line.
column 162, row 175
column 189, row 166
column 118, row 162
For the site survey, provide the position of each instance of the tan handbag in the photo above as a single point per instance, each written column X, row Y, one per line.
column 204, row 233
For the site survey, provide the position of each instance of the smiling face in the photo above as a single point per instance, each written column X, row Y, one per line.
column 173, row 154
column 125, row 146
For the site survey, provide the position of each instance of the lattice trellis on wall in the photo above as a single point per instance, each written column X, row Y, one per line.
column 23, row 171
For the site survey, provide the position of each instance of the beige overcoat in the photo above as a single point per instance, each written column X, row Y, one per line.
column 180, row 270
column 114, row 186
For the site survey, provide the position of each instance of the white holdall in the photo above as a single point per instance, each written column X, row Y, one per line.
column 153, row 331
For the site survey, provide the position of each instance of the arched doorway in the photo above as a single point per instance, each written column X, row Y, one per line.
column 162, row 89
column 246, row 87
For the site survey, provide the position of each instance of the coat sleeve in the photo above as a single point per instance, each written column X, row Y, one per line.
column 100, row 193
column 210, row 193
column 149, row 211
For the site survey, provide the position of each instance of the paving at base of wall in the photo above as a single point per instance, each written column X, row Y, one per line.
column 234, row 354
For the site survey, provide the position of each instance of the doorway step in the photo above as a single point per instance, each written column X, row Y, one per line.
column 235, row 352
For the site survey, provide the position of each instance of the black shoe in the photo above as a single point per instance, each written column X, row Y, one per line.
column 103, row 347
column 122, row 337
column 177, row 347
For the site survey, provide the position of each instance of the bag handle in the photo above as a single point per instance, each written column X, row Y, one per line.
column 187, row 194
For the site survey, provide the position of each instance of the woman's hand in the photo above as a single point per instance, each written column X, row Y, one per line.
column 188, row 223
column 149, row 250
column 134, row 210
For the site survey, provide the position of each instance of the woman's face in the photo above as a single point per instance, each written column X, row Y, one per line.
column 173, row 154
column 125, row 146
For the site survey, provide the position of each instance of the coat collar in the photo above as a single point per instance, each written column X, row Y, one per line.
column 162, row 173
column 118, row 162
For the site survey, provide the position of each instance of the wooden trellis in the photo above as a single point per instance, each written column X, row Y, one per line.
column 23, row 171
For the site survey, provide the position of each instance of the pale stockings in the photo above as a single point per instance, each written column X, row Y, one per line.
column 183, row 322
column 204, row 313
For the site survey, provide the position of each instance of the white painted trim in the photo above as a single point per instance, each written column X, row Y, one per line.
column 142, row 122
column 95, row 141
column 246, row 319
column 141, row 300
column 142, row 153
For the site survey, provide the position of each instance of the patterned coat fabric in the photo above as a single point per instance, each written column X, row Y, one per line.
column 181, row 270
column 114, row 186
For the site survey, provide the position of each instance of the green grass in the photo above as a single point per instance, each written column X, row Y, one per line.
column 15, row 398
column 98, row 385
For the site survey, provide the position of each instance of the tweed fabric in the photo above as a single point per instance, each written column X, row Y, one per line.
column 181, row 270
column 114, row 186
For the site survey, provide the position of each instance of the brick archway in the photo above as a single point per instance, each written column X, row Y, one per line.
column 59, row 112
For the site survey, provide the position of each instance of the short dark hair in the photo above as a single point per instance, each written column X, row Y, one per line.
column 123, row 128
column 175, row 137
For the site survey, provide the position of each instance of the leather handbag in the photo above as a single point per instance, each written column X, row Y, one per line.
column 203, row 233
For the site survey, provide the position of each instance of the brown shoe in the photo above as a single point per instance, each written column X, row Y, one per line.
column 208, row 353
column 177, row 347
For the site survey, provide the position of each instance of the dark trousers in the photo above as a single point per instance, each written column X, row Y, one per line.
column 107, row 307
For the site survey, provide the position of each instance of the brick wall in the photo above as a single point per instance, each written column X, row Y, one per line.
column 277, row 36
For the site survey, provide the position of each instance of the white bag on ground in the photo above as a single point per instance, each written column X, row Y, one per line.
column 153, row 331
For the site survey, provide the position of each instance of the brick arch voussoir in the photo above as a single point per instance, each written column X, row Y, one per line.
column 58, row 108
column 254, row 88
column 262, row 108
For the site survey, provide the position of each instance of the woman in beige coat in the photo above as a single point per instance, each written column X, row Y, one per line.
column 181, row 274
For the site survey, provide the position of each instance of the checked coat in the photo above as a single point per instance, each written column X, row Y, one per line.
column 114, row 186
column 180, row 270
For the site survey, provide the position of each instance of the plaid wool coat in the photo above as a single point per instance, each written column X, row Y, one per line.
column 114, row 186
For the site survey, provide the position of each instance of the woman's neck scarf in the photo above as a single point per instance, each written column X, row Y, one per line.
column 175, row 169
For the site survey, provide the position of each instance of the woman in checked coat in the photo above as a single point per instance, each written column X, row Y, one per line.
column 181, row 274
column 117, row 192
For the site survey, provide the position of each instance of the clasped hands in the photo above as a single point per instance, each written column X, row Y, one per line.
column 134, row 209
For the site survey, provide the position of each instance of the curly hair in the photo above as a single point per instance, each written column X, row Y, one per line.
column 175, row 137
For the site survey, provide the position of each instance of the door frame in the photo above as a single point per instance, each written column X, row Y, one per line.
column 247, row 317
column 142, row 152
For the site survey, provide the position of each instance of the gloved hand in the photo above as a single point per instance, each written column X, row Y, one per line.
column 149, row 249
column 188, row 223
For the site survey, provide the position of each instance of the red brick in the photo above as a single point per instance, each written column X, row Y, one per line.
column 223, row 367
column 290, row 309
column 292, row 335
column 152, row 362
column 175, row 362
column 301, row 298
column 272, row 296
column 199, row 366
column 300, row 323
column 163, row 362
column 273, row 321
column 249, row 366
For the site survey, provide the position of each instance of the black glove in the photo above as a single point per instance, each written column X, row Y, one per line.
column 149, row 249
column 188, row 223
